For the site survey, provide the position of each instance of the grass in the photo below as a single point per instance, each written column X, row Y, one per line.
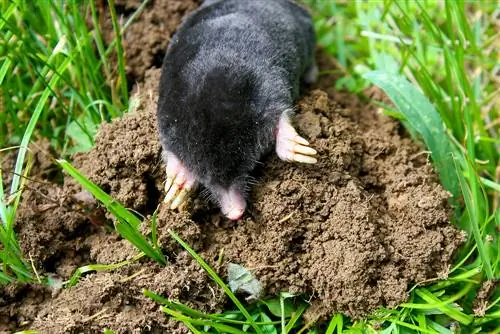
column 53, row 85
column 437, row 62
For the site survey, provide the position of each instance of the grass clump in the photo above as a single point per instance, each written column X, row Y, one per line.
column 44, row 40
column 54, row 85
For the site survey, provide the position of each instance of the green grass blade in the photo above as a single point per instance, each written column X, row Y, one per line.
column 464, row 291
column 127, row 222
column 416, row 328
column 295, row 317
column 425, row 120
column 446, row 309
column 98, row 267
column 32, row 123
column 490, row 184
column 197, row 314
column 335, row 322
column 3, row 206
column 3, row 70
column 186, row 320
column 218, row 280
column 472, row 208
column 119, row 49
column 116, row 208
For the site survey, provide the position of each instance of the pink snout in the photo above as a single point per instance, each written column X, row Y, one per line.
column 232, row 203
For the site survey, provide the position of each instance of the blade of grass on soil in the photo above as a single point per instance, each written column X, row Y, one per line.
column 127, row 224
column 218, row 280
column 179, row 307
column 98, row 267
column 425, row 120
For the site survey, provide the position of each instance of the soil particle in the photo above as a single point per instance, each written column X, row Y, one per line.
column 484, row 294
column 126, row 159
column 19, row 304
column 352, row 231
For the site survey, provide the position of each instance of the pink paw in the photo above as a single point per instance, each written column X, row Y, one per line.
column 290, row 146
column 179, row 182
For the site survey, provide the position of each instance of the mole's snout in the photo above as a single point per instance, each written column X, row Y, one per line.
column 232, row 203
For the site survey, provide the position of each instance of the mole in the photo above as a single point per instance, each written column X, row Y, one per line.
column 228, row 86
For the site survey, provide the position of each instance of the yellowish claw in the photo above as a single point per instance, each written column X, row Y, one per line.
column 306, row 150
column 180, row 199
column 300, row 140
column 304, row 159
column 171, row 194
column 179, row 182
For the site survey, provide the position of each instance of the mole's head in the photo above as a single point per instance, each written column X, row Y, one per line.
column 226, row 129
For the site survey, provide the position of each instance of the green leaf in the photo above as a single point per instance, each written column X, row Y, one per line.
column 82, row 133
column 274, row 306
column 267, row 329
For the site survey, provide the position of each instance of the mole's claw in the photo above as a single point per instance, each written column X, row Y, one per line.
column 292, row 147
column 306, row 150
column 179, row 182
column 172, row 193
column 184, row 191
column 299, row 140
column 304, row 159
column 179, row 199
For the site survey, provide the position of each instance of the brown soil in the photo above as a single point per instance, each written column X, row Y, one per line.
column 146, row 40
column 352, row 231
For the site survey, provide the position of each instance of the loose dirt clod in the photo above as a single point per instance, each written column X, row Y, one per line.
column 353, row 231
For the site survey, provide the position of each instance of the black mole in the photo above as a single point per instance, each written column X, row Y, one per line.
column 228, row 84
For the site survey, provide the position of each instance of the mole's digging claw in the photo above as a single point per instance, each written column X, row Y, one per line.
column 179, row 182
column 292, row 147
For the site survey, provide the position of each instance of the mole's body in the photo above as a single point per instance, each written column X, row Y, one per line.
column 228, row 83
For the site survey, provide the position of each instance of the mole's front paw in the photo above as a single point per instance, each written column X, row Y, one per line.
column 179, row 182
column 290, row 146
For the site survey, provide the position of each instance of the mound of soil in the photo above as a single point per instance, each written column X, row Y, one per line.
column 352, row 231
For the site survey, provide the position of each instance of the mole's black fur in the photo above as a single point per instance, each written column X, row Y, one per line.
column 230, row 71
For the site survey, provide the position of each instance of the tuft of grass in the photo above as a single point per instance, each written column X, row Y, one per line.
column 13, row 267
column 51, row 40
column 218, row 280
column 54, row 85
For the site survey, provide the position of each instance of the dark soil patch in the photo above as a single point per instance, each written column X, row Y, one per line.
column 145, row 41
column 353, row 230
